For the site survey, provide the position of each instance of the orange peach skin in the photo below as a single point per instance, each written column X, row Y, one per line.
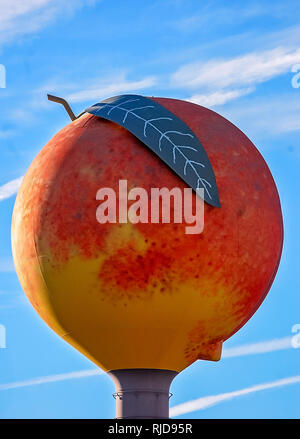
column 145, row 295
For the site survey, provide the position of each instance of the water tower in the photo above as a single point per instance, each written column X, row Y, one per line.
column 142, row 300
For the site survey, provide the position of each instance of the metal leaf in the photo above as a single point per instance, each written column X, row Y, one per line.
column 166, row 135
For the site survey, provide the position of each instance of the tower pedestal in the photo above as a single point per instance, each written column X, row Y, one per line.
column 142, row 393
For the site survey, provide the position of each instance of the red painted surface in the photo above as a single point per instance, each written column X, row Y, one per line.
column 239, row 249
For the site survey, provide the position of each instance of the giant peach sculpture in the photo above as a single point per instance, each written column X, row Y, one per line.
column 145, row 297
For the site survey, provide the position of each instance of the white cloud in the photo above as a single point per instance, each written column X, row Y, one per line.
column 109, row 88
column 210, row 15
column 249, row 349
column 261, row 347
column 10, row 188
column 264, row 117
column 4, row 134
column 249, row 69
column 6, row 265
column 218, row 97
column 11, row 10
column 209, row 401
column 52, row 379
column 20, row 17
column 238, row 351
column 13, row 301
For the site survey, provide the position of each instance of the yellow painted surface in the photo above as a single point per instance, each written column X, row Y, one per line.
column 144, row 296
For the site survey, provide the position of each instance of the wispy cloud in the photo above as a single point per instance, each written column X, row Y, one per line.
column 218, row 97
column 209, row 401
column 261, row 347
column 6, row 265
column 225, row 16
column 108, row 88
column 52, row 379
column 22, row 17
column 10, row 300
column 248, row 349
column 222, row 80
column 11, row 188
column 276, row 115
column 4, row 134
column 245, row 70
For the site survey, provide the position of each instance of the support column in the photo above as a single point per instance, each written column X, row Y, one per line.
column 142, row 393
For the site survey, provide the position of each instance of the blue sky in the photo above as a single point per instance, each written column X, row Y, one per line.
column 234, row 57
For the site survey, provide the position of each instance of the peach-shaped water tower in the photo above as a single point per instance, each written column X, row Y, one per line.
column 144, row 301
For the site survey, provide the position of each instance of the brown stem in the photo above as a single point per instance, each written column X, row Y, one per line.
column 64, row 103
